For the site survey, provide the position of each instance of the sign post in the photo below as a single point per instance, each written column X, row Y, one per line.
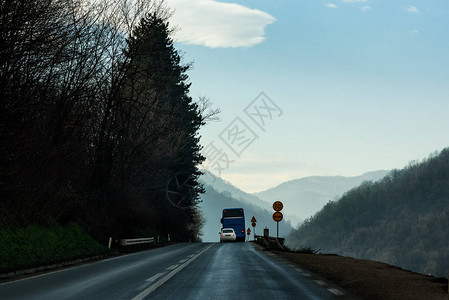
column 266, row 237
column 277, row 216
column 278, row 206
column 253, row 223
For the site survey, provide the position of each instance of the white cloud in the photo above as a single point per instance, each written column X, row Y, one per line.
column 331, row 5
column 366, row 8
column 414, row 32
column 412, row 9
column 354, row 1
column 218, row 25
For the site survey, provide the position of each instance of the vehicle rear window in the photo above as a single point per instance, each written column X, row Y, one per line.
column 230, row 213
column 228, row 231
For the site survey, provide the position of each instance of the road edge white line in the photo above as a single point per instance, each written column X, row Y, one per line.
column 320, row 282
column 167, row 277
column 153, row 278
column 172, row 267
column 336, row 292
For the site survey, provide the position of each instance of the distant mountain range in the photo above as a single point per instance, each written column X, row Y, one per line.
column 303, row 197
column 221, row 194
column 223, row 186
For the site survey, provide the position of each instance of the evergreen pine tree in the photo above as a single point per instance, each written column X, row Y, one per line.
column 159, row 124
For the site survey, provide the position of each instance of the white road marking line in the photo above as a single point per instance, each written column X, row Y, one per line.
column 167, row 277
column 298, row 269
column 155, row 277
column 336, row 292
column 320, row 282
column 182, row 260
column 307, row 274
column 191, row 255
column 172, row 267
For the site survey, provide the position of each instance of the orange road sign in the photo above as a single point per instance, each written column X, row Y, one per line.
column 248, row 231
column 254, row 224
column 277, row 216
column 253, row 220
column 278, row 206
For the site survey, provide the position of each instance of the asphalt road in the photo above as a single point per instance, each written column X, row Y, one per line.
column 181, row 271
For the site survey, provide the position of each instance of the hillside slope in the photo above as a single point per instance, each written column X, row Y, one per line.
column 303, row 197
column 223, row 186
column 402, row 219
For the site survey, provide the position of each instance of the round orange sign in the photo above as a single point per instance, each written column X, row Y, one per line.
column 277, row 216
column 278, row 206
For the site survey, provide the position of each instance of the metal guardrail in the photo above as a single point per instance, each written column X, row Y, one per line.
column 128, row 242
column 273, row 242
column 271, row 238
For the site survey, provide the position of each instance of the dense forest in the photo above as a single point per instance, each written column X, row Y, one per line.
column 402, row 219
column 96, row 119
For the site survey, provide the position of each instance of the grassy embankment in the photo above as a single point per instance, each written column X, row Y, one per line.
column 34, row 246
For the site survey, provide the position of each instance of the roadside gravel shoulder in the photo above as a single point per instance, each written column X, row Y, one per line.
column 371, row 279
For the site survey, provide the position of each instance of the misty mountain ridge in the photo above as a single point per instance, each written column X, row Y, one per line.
column 222, row 186
column 213, row 203
column 221, row 194
column 334, row 182
column 303, row 197
column 402, row 219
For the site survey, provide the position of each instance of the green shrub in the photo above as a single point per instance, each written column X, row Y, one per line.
column 36, row 245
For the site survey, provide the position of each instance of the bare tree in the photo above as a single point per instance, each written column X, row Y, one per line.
column 208, row 113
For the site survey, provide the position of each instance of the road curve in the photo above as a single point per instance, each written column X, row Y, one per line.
column 181, row 271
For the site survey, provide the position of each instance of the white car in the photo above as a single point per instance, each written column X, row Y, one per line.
column 227, row 234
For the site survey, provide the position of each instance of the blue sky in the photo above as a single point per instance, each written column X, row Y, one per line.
column 362, row 85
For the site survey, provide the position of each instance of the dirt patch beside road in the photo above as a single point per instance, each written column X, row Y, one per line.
column 371, row 280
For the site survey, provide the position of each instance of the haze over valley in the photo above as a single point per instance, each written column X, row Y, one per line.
column 373, row 216
column 302, row 198
column 220, row 195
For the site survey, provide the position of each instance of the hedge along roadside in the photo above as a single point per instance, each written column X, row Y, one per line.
column 34, row 246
